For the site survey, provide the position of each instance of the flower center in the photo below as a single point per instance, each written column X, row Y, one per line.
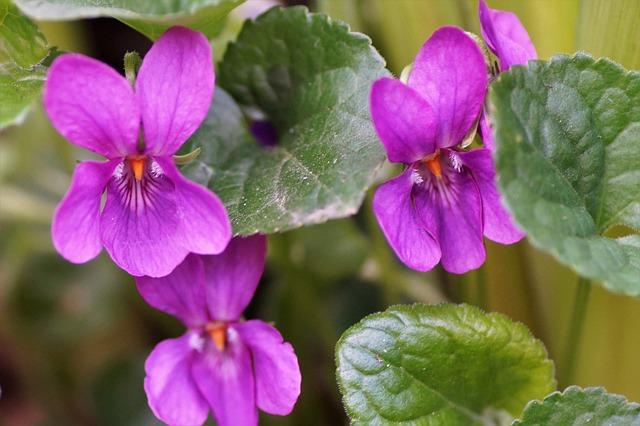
column 433, row 164
column 218, row 332
column 137, row 166
column 139, row 182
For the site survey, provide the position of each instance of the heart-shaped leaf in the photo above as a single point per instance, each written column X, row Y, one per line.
column 23, row 53
column 576, row 406
column 150, row 17
column 568, row 161
column 440, row 365
column 309, row 77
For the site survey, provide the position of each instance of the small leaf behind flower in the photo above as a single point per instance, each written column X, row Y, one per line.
column 187, row 158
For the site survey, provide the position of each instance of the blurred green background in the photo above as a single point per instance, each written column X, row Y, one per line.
column 73, row 338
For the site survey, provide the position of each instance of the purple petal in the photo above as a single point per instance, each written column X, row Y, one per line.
column 233, row 275
column 174, row 87
column 498, row 225
column 450, row 73
column 411, row 241
column 506, row 36
column 205, row 226
column 275, row 364
column 487, row 132
column 181, row 293
column 92, row 105
column 226, row 381
column 405, row 122
column 140, row 224
column 149, row 225
column 454, row 212
column 171, row 391
column 76, row 223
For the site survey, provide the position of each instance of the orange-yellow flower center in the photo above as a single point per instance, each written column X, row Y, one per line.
column 433, row 164
column 218, row 332
column 137, row 165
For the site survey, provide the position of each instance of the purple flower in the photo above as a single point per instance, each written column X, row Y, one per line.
column 222, row 363
column 266, row 135
column 509, row 41
column 153, row 217
column 506, row 36
column 445, row 200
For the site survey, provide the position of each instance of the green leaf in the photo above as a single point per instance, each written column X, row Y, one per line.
column 116, row 393
column 51, row 317
column 331, row 251
column 568, row 161
column 310, row 77
column 23, row 52
column 576, row 406
column 440, row 365
column 150, row 17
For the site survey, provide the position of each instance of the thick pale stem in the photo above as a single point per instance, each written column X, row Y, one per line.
column 406, row 72
column 131, row 66
column 576, row 327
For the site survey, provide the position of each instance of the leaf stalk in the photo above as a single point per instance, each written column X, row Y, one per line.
column 576, row 328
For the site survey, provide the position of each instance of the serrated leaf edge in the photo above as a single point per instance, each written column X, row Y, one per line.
column 440, row 306
column 535, row 242
column 346, row 28
column 119, row 13
column 593, row 390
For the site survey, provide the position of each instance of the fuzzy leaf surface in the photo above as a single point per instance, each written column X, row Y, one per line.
column 23, row 55
column 309, row 77
column 577, row 406
column 440, row 365
column 568, row 162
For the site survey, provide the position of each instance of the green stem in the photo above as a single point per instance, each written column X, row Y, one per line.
column 481, row 288
column 529, row 289
column 446, row 285
column 131, row 66
column 576, row 328
column 382, row 255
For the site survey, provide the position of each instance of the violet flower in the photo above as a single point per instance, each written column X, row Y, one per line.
column 153, row 217
column 222, row 363
column 507, row 38
column 265, row 134
column 445, row 200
